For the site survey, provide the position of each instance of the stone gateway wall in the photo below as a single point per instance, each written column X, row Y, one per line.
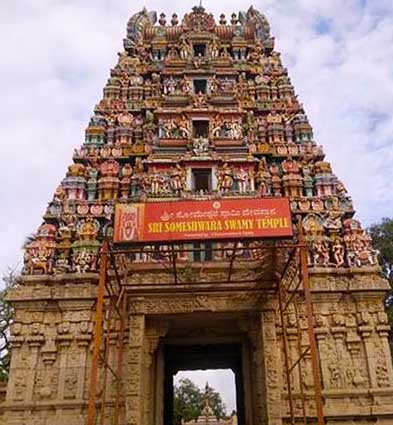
column 198, row 109
column 52, row 351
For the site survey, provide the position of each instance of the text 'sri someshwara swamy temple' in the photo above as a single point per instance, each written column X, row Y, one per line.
column 199, row 226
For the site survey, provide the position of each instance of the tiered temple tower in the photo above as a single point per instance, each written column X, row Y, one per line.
column 197, row 109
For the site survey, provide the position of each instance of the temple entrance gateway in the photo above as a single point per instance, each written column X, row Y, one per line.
column 198, row 341
column 212, row 343
column 224, row 320
column 203, row 357
column 199, row 225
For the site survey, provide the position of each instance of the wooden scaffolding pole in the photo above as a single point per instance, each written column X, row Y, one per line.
column 316, row 371
column 98, row 332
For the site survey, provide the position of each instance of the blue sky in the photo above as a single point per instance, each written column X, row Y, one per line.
column 55, row 60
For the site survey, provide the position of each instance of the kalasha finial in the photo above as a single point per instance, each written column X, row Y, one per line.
column 162, row 20
column 223, row 21
column 199, row 9
column 174, row 20
column 234, row 20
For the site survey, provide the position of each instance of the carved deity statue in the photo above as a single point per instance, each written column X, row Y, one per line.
column 264, row 179
column 137, row 178
column 214, row 49
column 156, row 180
column 185, row 49
column 225, row 179
column 338, row 251
column 177, row 180
column 200, row 146
column 242, row 179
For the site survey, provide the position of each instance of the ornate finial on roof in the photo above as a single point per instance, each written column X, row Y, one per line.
column 259, row 21
column 162, row 20
column 223, row 21
column 174, row 20
column 198, row 20
column 199, row 9
column 136, row 25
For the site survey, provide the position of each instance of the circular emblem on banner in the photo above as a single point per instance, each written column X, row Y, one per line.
column 216, row 205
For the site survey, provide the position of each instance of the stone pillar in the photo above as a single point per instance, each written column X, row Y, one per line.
column 159, row 387
column 321, row 334
column 189, row 179
column 23, row 365
column 366, row 330
column 153, row 371
column 135, row 372
column 272, row 366
column 83, row 338
column 214, row 178
column 383, row 329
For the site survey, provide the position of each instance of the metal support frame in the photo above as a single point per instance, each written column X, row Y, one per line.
column 293, row 284
column 110, row 315
column 111, row 308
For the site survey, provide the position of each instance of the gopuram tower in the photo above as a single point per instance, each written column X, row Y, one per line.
column 199, row 226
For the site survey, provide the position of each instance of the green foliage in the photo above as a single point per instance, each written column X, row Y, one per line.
column 189, row 401
column 186, row 403
column 6, row 314
column 382, row 236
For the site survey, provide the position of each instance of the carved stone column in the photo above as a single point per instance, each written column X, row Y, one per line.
column 159, row 387
column 23, row 364
column 383, row 364
column 134, row 397
column 83, row 338
column 321, row 332
column 35, row 340
column 366, row 331
column 154, row 331
column 253, row 373
column 383, row 330
column 272, row 367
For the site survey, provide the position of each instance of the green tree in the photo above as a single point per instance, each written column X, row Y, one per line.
column 6, row 314
column 382, row 236
column 189, row 400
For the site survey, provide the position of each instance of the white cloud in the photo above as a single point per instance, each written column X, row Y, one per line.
column 56, row 57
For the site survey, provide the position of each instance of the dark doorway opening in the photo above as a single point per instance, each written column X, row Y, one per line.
column 202, row 356
column 199, row 49
column 202, row 179
column 200, row 86
column 200, row 128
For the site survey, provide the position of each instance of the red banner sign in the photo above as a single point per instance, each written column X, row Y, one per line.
column 195, row 220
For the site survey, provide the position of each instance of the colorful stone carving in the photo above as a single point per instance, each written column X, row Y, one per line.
column 225, row 179
column 40, row 252
column 189, row 96
column 177, row 182
column 85, row 249
column 108, row 183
